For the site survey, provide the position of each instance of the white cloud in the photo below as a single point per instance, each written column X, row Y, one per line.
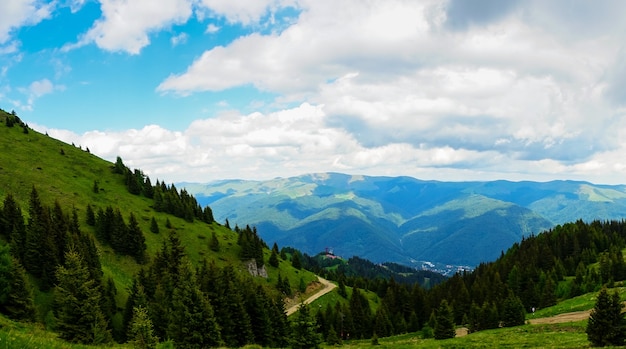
column 41, row 87
column 76, row 5
column 432, row 89
column 126, row 24
column 299, row 140
column 36, row 90
column 212, row 29
column 18, row 13
column 179, row 39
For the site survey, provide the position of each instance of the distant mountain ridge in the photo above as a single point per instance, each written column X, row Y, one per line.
column 403, row 219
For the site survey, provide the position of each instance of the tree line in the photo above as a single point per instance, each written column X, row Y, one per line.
column 534, row 273
column 166, row 198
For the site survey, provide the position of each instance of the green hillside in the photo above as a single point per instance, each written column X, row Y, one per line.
column 72, row 178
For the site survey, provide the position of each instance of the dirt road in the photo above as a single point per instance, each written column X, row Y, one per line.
column 328, row 286
column 567, row 317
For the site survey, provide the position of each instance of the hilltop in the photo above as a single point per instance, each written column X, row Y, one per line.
column 403, row 219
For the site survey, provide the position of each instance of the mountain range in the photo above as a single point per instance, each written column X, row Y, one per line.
column 403, row 219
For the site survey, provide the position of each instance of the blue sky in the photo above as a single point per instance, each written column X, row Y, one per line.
column 200, row 90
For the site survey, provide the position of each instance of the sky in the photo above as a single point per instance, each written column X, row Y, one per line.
column 203, row 90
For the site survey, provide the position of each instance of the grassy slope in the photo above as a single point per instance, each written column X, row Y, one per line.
column 64, row 172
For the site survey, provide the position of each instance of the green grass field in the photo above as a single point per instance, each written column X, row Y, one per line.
column 570, row 335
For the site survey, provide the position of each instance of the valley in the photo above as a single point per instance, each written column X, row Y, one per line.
column 403, row 219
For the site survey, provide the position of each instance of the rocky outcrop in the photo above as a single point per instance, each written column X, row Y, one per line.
column 254, row 270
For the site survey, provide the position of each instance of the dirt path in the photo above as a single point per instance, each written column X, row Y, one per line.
column 328, row 286
column 567, row 317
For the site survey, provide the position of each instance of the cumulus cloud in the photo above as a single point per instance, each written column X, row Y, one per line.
column 17, row 13
column 299, row 140
column 476, row 89
column 36, row 90
column 126, row 24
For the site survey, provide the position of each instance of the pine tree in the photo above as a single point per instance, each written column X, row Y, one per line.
column 5, row 273
column 273, row 261
column 361, row 315
column 136, row 299
column 77, row 299
column 136, row 242
column 302, row 286
column 15, row 229
column 214, row 244
column 154, row 227
column 304, row 335
column 91, row 217
column 258, row 307
column 606, row 325
column 119, row 168
column 332, row 338
column 382, row 325
column 228, row 306
column 295, row 260
column 444, row 323
column 192, row 322
column 40, row 252
column 20, row 303
column 342, row 289
column 141, row 331
column 513, row 313
column 148, row 189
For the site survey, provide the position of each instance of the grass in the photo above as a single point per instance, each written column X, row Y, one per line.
column 570, row 335
column 333, row 297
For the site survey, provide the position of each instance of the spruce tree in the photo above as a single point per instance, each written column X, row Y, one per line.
column 136, row 299
column 258, row 307
column 15, row 229
column 228, row 306
column 361, row 315
column 91, row 217
column 40, row 257
column 513, row 313
column 141, row 331
column 154, row 227
column 214, row 244
column 304, row 335
column 5, row 272
column 192, row 322
column 295, row 260
column 135, row 241
column 332, row 338
column 77, row 299
column 444, row 323
column 382, row 324
column 606, row 325
column 20, row 301
column 273, row 261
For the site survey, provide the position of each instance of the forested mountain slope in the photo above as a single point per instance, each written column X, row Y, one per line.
column 402, row 219
column 91, row 250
